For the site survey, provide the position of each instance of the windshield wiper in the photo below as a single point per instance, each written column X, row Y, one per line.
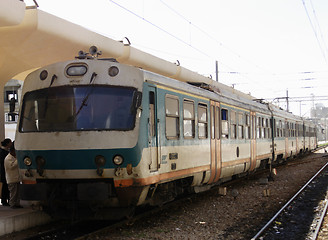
column 85, row 99
column 53, row 78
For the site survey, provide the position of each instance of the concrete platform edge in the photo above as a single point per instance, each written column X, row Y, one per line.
column 23, row 222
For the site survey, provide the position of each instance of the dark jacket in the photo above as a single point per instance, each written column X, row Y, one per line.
column 3, row 154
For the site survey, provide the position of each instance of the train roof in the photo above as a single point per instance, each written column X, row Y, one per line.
column 220, row 92
column 223, row 94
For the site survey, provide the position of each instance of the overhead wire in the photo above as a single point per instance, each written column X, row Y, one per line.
column 165, row 31
column 232, row 72
column 318, row 24
column 209, row 35
column 323, row 51
column 218, row 42
column 179, row 39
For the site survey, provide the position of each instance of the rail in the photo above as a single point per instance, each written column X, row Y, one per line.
column 319, row 224
column 288, row 203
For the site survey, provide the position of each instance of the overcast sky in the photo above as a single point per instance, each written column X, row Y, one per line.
column 263, row 47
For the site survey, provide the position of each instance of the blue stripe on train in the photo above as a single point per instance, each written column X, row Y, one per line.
column 78, row 159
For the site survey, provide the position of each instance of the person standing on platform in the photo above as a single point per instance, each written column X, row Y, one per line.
column 12, row 176
column 4, row 150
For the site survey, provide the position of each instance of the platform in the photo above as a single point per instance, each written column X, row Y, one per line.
column 14, row 220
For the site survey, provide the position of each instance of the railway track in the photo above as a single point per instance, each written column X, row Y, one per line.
column 88, row 230
column 294, row 219
column 318, row 228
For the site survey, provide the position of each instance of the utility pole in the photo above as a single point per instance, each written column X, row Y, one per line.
column 287, row 100
column 216, row 71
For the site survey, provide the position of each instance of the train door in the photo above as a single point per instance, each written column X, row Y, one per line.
column 253, row 141
column 215, row 142
column 153, row 140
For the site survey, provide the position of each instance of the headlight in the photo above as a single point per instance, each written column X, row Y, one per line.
column 118, row 160
column 100, row 161
column 113, row 71
column 27, row 161
column 44, row 75
column 77, row 70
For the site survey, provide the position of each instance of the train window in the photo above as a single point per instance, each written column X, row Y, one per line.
column 240, row 131
column 215, row 116
column 241, row 125
column 280, row 129
column 188, row 119
column 213, row 122
column 247, row 128
column 233, row 117
column 217, row 125
column 172, row 117
column 77, row 108
column 258, row 128
column 233, row 131
column 202, row 121
column 291, row 130
column 241, row 118
column 233, row 125
column 225, row 123
column 264, row 131
column 263, row 122
column 152, row 114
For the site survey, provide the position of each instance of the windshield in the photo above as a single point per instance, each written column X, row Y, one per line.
column 78, row 108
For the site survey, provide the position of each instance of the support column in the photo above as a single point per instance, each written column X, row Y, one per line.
column 4, row 78
column 2, row 111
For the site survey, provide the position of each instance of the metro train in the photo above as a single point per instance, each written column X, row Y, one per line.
column 97, row 138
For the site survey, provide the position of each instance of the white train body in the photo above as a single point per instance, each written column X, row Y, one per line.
column 101, row 135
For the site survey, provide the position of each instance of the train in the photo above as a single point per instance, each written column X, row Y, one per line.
column 97, row 138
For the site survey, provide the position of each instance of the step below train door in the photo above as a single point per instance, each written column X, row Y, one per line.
column 153, row 140
column 215, row 143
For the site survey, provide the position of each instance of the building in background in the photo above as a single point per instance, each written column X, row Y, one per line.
column 319, row 115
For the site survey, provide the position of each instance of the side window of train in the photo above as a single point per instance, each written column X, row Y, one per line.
column 248, row 127
column 152, row 114
column 172, row 117
column 188, row 119
column 258, row 127
column 279, row 129
column 291, row 130
column 233, row 122
column 225, row 123
column 213, row 122
column 263, row 132
column 269, row 129
column 215, row 128
column 202, row 120
column 241, row 123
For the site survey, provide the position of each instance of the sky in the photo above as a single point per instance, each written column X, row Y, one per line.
column 263, row 47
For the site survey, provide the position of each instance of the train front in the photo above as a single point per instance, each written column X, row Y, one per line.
column 77, row 135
